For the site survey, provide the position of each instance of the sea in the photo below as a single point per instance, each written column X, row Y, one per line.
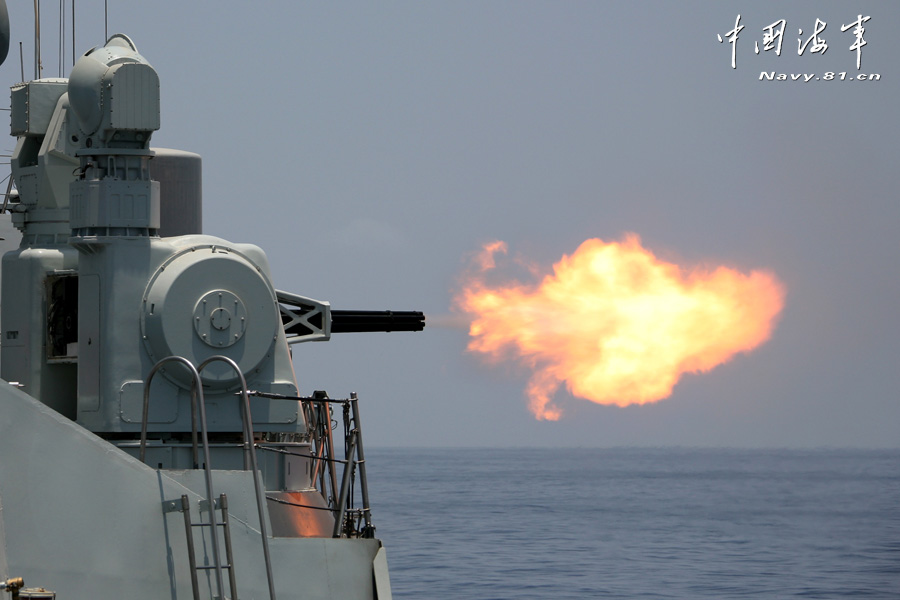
column 638, row 523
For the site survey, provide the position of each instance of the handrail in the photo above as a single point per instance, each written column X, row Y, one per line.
column 6, row 196
column 354, row 457
column 329, row 443
column 145, row 414
column 345, row 485
column 319, row 417
column 249, row 449
column 196, row 391
column 361, row 461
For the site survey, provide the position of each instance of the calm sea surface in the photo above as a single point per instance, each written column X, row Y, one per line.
column 638, row 523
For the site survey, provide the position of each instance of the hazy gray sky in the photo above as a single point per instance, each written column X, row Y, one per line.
column 370, row 148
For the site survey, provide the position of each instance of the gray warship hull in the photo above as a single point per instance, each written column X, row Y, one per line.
column 82, row 518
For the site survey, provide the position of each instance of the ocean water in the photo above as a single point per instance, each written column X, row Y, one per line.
column 630, row 523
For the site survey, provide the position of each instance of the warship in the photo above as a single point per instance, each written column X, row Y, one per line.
column 153, row 439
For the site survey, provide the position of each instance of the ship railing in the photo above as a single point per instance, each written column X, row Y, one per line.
column 250, row 463
column 318, row 409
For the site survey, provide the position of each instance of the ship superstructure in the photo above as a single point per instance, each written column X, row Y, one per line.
column 153, row 441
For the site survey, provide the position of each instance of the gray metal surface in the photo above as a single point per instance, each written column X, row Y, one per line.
column 79, row 530
column 94, row 303
column 179, row 174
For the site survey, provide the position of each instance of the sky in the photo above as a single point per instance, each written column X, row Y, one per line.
column 371, row 148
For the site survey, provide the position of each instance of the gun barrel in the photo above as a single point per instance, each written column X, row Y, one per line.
column 359, row 321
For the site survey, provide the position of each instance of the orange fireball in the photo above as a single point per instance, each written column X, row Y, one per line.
column 616, row 324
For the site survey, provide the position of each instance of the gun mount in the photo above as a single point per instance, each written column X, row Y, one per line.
column 308, row 320
column 100, row 296
column 364, row 321
column 93, row 232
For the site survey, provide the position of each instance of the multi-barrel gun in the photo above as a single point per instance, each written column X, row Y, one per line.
column 307, row 320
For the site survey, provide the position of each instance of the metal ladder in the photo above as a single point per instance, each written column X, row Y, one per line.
column 184, row 505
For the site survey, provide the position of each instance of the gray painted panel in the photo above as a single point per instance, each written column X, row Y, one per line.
column 89, row 299
column 131, row 405
column 180, row 191
column 79, row 515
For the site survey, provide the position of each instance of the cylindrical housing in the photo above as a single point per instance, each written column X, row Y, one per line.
column 180, row 178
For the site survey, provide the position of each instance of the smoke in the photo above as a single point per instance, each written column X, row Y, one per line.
column 613, row 323
column 449, row 321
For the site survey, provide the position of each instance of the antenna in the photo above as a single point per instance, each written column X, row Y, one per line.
column 61, row 57
column 73, row 33
column 105, row 19
column 37, row 39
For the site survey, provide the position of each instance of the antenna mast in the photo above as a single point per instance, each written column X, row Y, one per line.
column 37, row 39
column 61, row 57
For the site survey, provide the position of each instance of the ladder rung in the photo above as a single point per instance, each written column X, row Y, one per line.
column 206, row 567
column 206, row 524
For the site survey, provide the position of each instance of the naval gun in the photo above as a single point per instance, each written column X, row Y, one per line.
column 307, row 320
column 104, row 293
column 87, row 200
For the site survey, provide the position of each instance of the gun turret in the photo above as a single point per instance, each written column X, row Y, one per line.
column 363, row 321
column 308, row 320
